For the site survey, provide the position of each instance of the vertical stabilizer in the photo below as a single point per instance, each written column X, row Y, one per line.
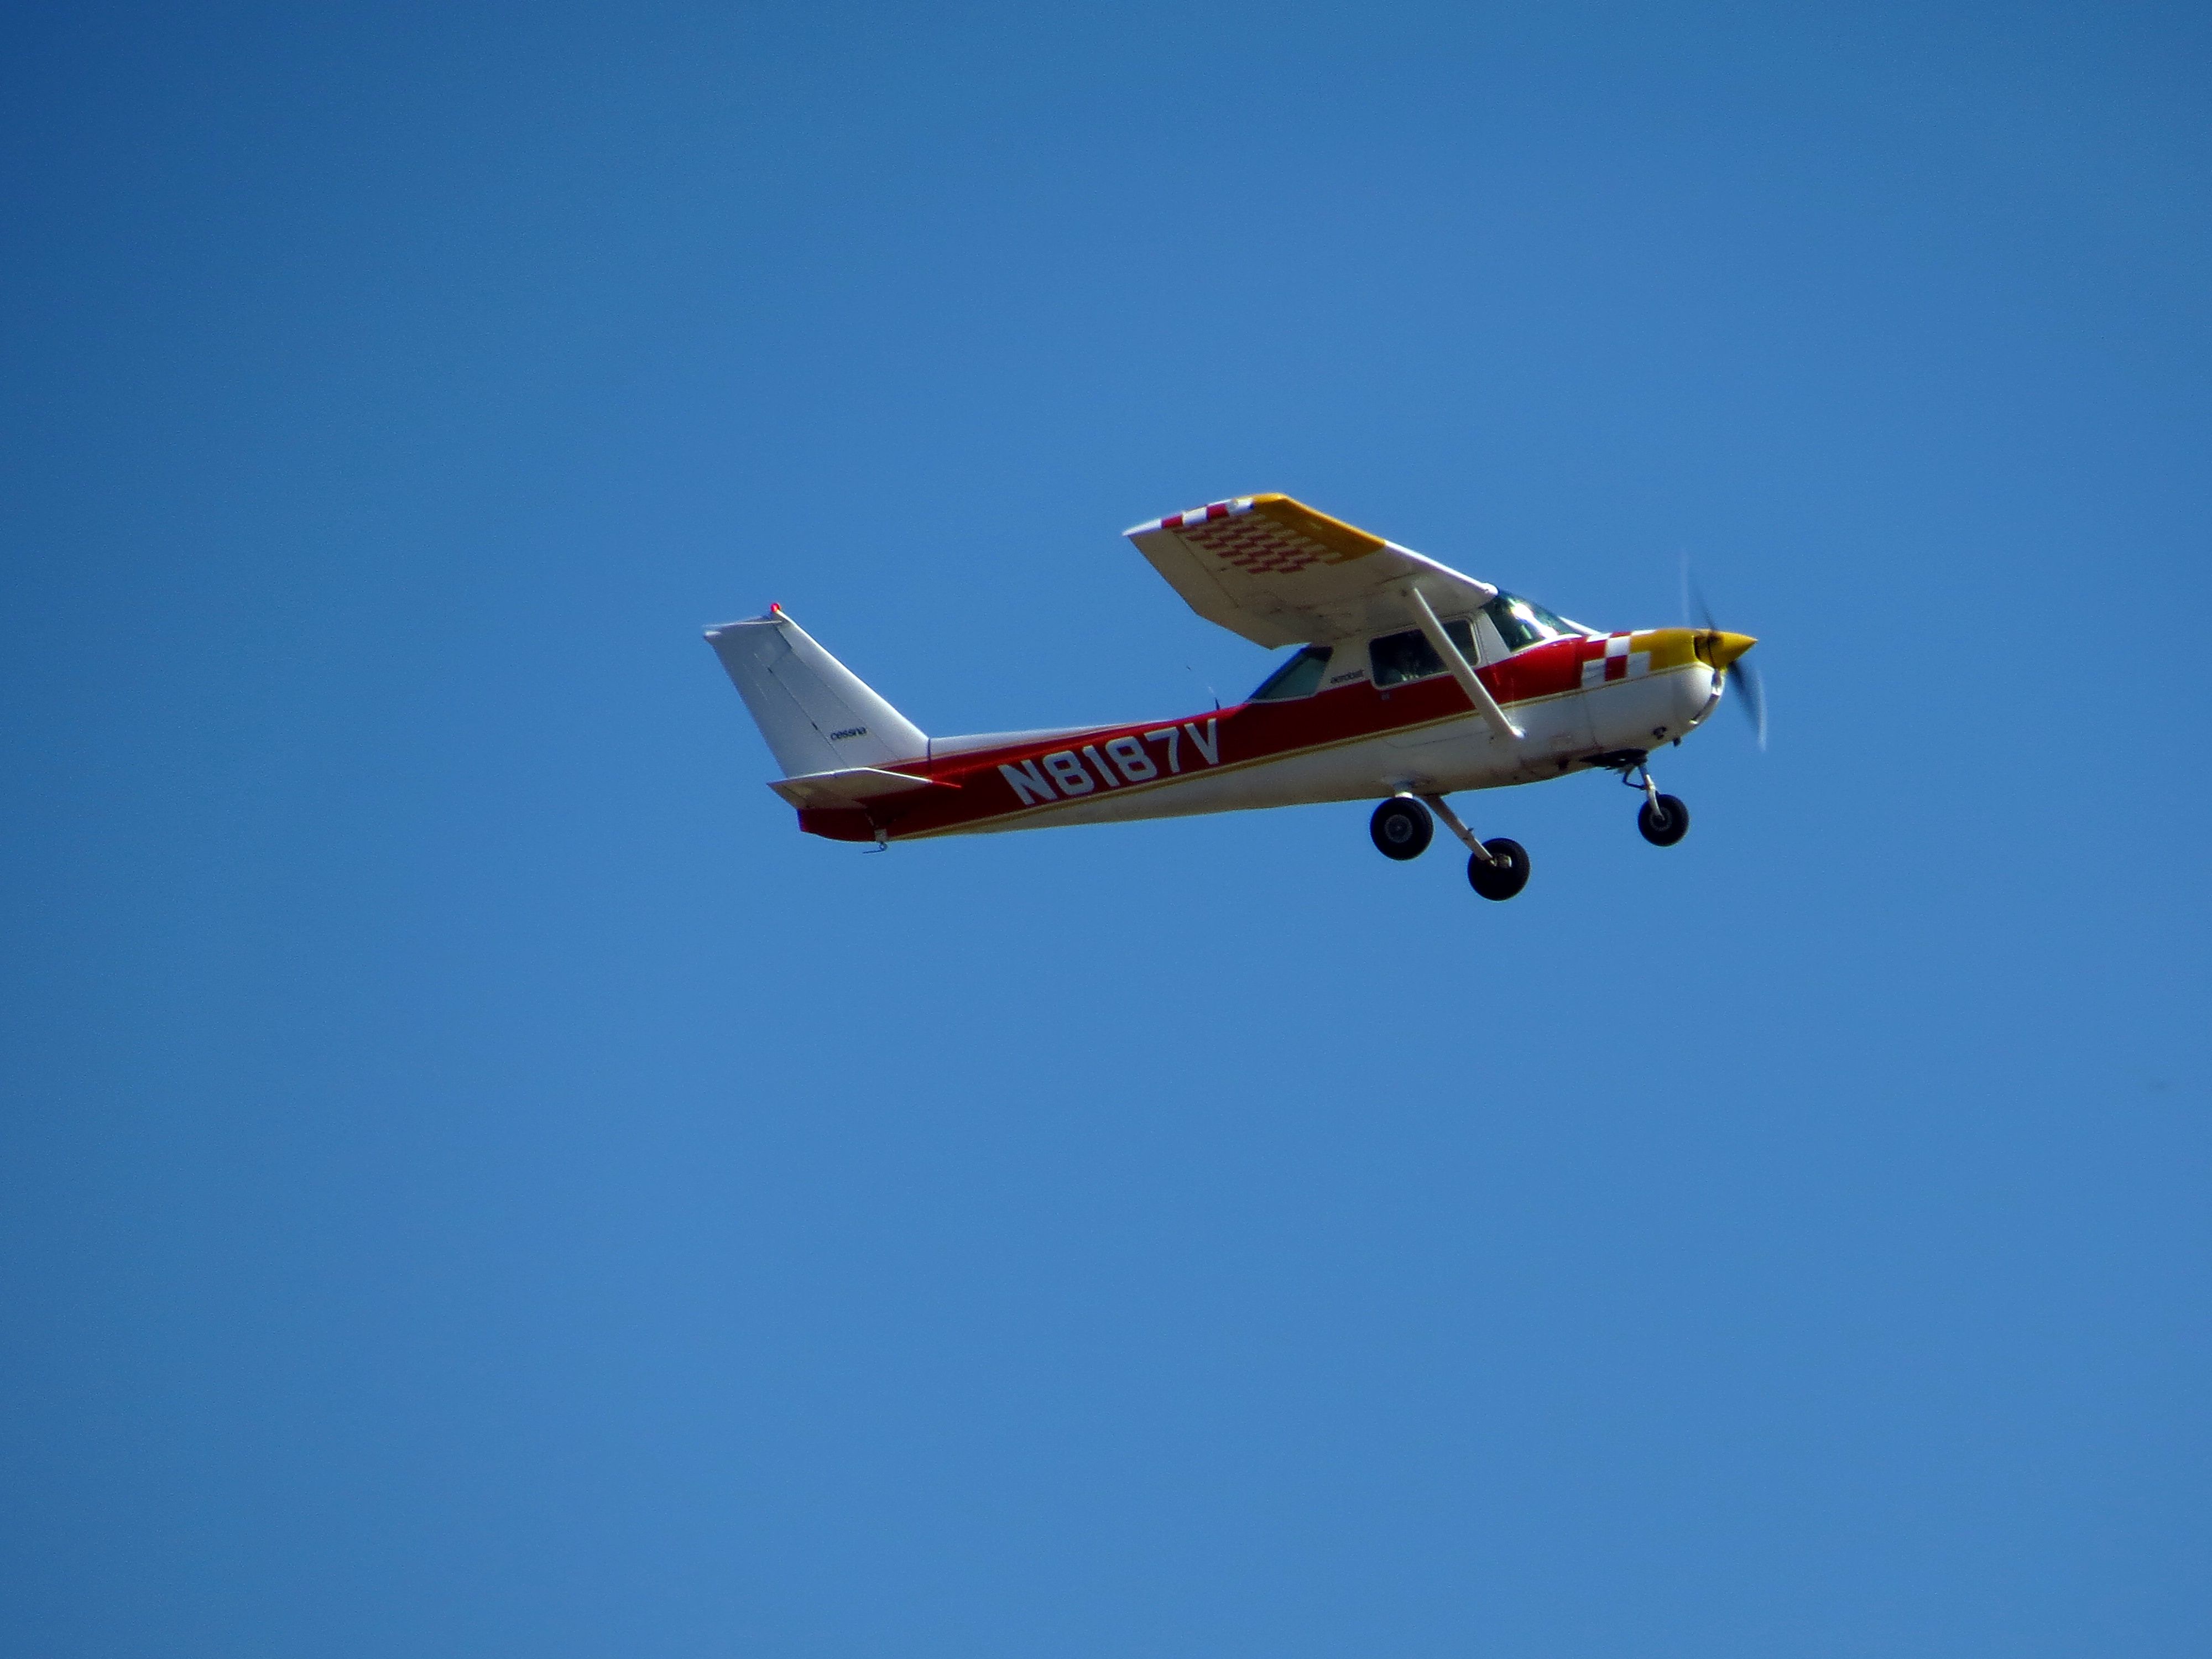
column 817, row 715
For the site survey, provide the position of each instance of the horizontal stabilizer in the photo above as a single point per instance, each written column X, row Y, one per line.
column 850, row 787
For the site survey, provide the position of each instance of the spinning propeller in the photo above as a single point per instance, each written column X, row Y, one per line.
column 1724, row 651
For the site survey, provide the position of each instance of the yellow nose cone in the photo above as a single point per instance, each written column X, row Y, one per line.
column 1721, row 649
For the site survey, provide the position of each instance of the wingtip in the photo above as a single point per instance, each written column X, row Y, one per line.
column 1234, row 507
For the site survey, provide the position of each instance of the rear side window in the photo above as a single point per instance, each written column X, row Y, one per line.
column 1397, row 658
column 1298, row 678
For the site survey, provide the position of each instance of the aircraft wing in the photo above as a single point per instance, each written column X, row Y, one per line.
column 1278, row 573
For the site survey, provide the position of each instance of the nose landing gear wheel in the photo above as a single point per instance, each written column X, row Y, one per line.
column 1663, row 820
column 1504, row 875
column 1402, row 827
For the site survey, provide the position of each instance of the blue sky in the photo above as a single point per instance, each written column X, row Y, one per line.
column 473, row 1179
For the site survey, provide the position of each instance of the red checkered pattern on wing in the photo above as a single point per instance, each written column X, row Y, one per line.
column 1257, row 546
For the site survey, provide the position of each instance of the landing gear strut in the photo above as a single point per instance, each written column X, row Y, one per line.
column 1663, row 820
column 1497, row 868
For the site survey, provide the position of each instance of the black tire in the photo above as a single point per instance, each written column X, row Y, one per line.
column 1402, row 829
column 1507, row 872
column 1666, row 826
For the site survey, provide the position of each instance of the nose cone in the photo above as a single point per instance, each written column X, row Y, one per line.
column 1721, row 649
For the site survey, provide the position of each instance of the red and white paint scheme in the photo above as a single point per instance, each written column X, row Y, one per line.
column 1412, row 681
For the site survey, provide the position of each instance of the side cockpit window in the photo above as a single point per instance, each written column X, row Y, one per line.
column 1298, row 678
column 1397, row 658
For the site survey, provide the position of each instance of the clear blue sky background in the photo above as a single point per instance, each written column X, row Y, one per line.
column 477, row 1182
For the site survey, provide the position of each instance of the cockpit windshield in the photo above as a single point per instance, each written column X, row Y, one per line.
column 1523, row 622
column 1298, row 678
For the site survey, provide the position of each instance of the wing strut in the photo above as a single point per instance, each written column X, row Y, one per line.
column 1461, row 670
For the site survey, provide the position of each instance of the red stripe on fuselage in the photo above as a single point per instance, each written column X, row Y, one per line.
column 1241, row 735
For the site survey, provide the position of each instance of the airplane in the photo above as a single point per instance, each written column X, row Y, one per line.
column 1410, row 683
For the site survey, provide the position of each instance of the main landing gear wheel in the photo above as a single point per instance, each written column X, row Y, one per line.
column 1402, row 827
column 1504, row 874
column 1663, row 820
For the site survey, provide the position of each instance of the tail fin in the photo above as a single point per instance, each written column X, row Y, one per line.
column 816, row 713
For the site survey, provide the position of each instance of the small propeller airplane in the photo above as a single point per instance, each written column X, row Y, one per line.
column 1411, row 682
